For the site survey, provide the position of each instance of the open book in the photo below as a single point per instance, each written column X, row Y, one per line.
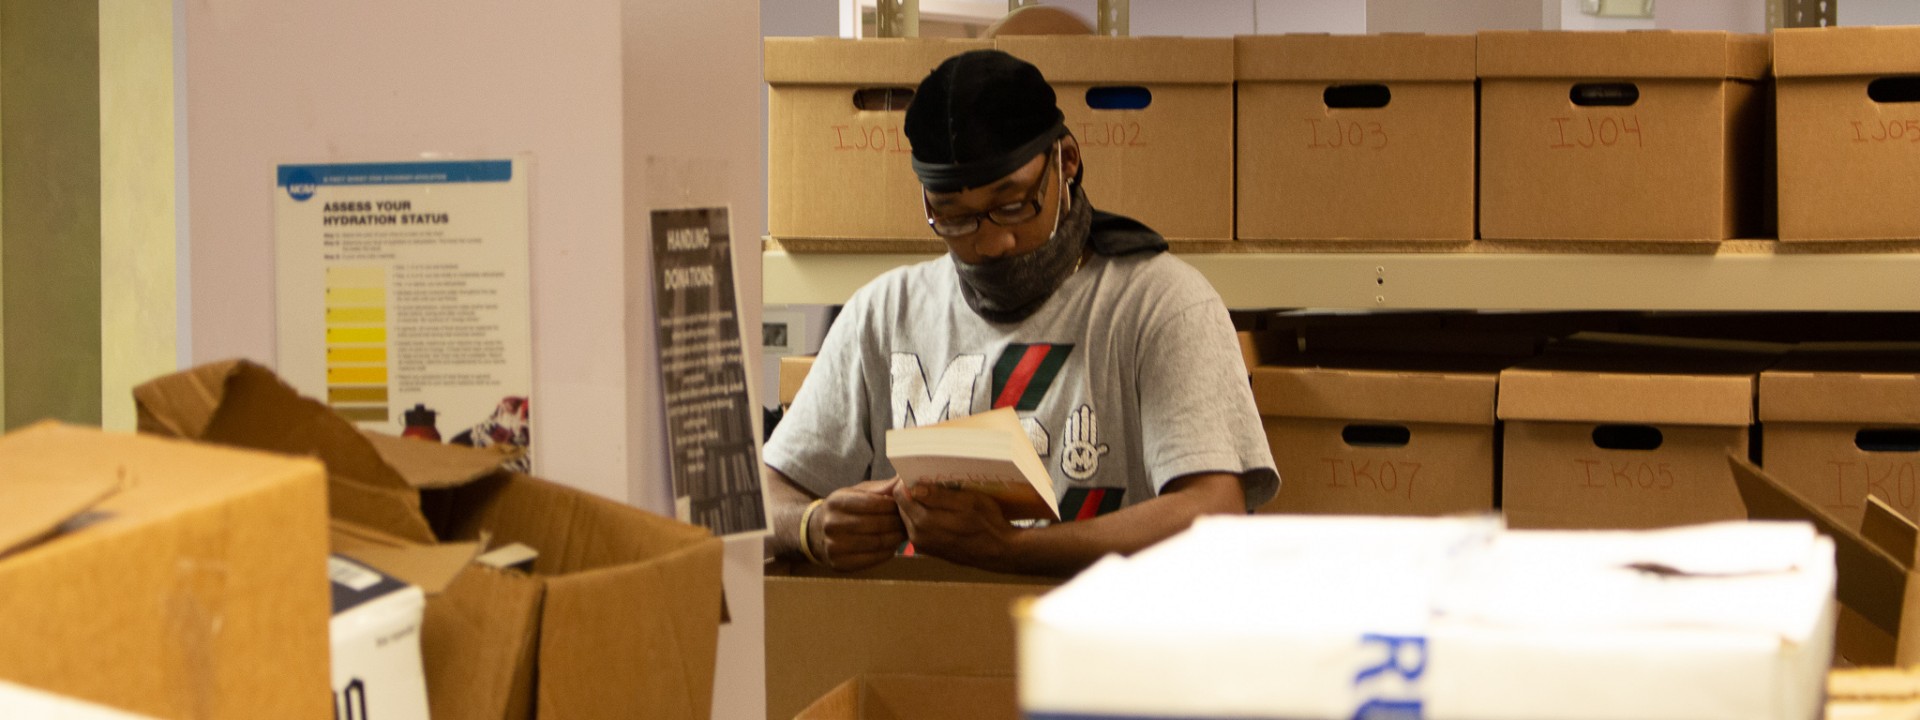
column 988, row 452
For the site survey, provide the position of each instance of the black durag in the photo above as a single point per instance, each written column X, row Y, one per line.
column 979, row 117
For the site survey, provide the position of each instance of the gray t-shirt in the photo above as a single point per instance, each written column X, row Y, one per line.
column 1127, row 377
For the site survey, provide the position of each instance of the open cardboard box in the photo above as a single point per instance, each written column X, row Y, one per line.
column 620, row 616
column 910, row 615
column 917, row 697
column 1878, row 592
column 162, row 577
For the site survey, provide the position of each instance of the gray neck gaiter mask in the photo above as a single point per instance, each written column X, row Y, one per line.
column 1008, row 290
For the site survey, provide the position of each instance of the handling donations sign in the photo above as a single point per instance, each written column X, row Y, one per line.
column 711, row 447
column 402, row 296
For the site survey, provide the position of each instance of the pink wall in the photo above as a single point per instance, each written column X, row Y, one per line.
column 272, row 81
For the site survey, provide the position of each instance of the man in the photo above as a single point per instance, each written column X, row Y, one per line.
column 1119, row 358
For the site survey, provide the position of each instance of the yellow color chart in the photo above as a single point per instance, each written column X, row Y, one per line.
column 357, row 342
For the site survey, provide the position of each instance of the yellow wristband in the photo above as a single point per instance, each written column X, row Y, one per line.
column 806, row 525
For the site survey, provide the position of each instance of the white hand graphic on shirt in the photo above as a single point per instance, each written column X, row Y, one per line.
column 1080, row 457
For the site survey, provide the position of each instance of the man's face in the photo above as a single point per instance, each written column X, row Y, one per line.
column 1035, row 182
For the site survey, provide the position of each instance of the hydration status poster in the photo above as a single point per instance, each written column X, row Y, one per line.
column 403, row 298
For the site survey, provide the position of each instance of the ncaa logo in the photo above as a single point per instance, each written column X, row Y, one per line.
column 301, row 184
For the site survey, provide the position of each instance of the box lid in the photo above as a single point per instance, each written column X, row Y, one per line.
column 1851, row 383
column 373, row 480
column 38, row 504
column 1341, row 391
column 1622, row 55
column 1625, row 390
column 1322, row 57
column 1838, row 51
column 839, row 61
column 1069, row 59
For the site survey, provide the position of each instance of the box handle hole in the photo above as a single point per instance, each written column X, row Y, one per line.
column 1357, row 96
column 1119, row 97
column 1376, row 436
column 1893, row 440
column 1604, row 94
column 881, row 99
column 1627, row 437
column 1902, row 89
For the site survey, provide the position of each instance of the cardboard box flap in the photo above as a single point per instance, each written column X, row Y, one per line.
column 1554, row 395
column 880, row 62
column 1121, row 60
column 1887, row 529
column 242, row 404
column 182, row 404
column 573, row 532
column 671, row 649
column 433, row 465
column 478, row 645
column 1340, row 393
column 840, row 703
column 1844, row 51
column 431, row 567
column 1651, row 54
column 395, row 511
column 1356, row 58
column 40, row 500
column 1871, row 581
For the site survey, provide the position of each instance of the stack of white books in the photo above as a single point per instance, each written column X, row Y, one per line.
column 1326, row 617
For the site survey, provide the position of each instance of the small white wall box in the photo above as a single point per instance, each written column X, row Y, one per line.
column 376, row 645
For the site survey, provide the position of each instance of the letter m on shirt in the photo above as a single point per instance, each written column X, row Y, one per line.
column 917, row 402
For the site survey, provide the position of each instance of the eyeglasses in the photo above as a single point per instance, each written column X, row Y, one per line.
column 1005, row 216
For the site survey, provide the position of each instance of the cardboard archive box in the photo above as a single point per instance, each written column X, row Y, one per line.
column 1381, row 435
column 1842, row 422
column 1168, row 164
column 793, row 372
column 1448, row 619
column 1849, row 121
column 909, row 616
column 1879, row 593
column 1625, row 437
column 917, row 697
column 838, row 161
column 1636, row 136
column 1365, row 137
column 619, row 618
column 161, row 577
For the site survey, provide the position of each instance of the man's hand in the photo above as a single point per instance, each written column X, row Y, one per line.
column 857, row 527
column 961, row 526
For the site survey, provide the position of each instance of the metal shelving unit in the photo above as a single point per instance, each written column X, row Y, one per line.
column 1728, row 276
